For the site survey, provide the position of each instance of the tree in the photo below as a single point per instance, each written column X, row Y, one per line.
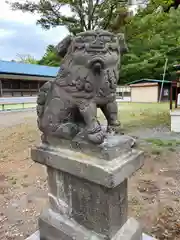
column 85, row 14
column 50, row 57
column 151, row 39
column 26, row 59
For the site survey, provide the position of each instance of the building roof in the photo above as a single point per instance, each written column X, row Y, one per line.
column 27, row 69
column 148, row 80
column 146, row 84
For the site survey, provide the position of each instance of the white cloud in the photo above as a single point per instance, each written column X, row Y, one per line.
column 19, row 33
column 5, row 33
column 18, row 16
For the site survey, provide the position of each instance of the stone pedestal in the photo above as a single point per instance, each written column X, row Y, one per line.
column 88, row 189
column 175, row 119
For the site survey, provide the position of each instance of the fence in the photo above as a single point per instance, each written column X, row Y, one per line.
column 123, row 99
column 17, row 103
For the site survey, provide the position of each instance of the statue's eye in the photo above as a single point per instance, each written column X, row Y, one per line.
column 106, row 38
column 114, row 39
column 89, row 38
column 114, row 48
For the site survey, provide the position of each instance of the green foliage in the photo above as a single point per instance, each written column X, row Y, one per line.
column 50, row 57
column 26, row 59
column 85, row 14
column 151, row 38
column 156, row 5
column 151, row 35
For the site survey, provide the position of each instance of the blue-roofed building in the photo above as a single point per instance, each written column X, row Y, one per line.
column 22, row 79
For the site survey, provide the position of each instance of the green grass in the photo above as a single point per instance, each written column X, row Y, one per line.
column 159, row 145
column 164, row 143
column 17, row 106
column 139, row 115
column 29, row 105
column 134, row 115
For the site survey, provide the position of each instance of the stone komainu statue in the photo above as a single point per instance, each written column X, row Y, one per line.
column 87, row 79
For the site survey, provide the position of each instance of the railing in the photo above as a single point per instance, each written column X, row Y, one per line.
column 123, row 99
column 17, row 103
column 19, row 92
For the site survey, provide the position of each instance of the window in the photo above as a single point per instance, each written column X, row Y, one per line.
column 33, row 85
column 15, row 84
column 6, row 84
column 166, row 92
column 24, row 85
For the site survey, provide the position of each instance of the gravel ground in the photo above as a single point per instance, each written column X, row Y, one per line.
column 23, row 190
column 161, row 132
column 16, row 117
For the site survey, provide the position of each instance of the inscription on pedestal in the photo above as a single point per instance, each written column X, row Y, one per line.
column 96, row 207
column 59, row 191
column 99, row 208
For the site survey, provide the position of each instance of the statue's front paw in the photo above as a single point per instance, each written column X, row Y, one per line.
column 97, row 137
column 44, row 139
column 115, row 128
column 67, row 130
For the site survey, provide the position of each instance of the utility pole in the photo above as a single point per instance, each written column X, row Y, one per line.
column 164, row 74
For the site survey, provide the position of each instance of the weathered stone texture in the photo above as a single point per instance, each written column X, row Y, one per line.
column 87, row 164
column 93, row 206
column 105, row 173
column 87, row 80
column 87, row 195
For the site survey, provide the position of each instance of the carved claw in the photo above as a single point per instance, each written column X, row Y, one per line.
column 97, row 138
column 94, row 129
column 67, row 130
column 44, row 139
column 114, row 128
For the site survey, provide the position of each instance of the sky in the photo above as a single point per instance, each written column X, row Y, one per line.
column 19, row 34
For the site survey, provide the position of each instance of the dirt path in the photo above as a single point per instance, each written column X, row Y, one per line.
column 154, row 196
column 153, row 191
column 161, row 132
column 14, row 118
column 23, row 189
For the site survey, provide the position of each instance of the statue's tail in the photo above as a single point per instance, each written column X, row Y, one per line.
column 41, row 98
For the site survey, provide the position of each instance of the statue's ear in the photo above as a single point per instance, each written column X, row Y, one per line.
column 63, row 46
column 122, row 42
